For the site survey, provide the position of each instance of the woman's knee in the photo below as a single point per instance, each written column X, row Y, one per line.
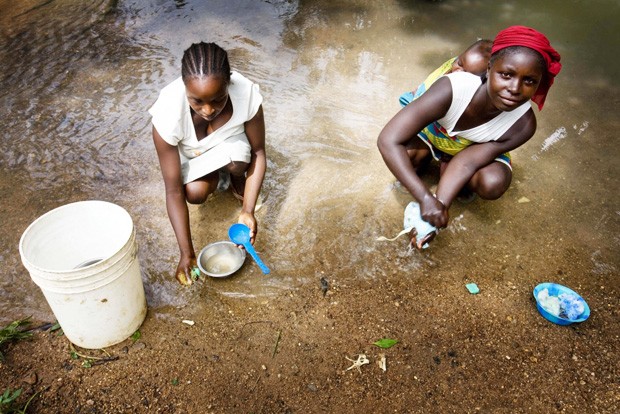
column 237, row 167
column 195, row 195
column 419, row 157
column 197, row 191
column 492, row 183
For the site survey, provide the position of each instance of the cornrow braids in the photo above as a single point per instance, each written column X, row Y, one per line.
column 204, row 59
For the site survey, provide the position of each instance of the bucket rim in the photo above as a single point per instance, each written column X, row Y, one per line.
column 28, row 264
column 79, row 273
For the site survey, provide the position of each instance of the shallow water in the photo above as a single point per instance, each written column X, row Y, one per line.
column 78, row 78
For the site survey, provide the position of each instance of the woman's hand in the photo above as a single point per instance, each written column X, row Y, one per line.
column 434, row 211
column 177, row 208
column 187, row 270
column 249, row 220
column 413, row 235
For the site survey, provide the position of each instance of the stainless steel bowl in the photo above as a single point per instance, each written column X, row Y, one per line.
column 221, row 259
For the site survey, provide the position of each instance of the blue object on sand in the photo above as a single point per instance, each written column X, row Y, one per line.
column 413, row 219
column 473, row 288
column 560, row 305
column 240, row 234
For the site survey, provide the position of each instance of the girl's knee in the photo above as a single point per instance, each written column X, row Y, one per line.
column 491, row 191
column 194, row 196
column 492, row 184
column 197, row 191
column 237, row 167
column 419, row 157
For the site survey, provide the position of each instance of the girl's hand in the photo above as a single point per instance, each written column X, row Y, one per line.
column 249, row 220
column 413, row 235
column 187, row 270
column 434, row 211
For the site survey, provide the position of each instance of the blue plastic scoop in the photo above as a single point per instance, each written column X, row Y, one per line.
column 240, row 234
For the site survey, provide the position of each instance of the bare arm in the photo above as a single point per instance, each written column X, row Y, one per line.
column 476, row 156
column 255, row 131
column 175, row 204
column 405, row 126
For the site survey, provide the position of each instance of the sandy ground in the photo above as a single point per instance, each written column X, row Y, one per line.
column 77, row 80
column 290, row 353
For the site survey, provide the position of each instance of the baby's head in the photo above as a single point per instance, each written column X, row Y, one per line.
column 475, row 59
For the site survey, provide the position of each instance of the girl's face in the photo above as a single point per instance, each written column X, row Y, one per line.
column 513, row 79
column 207, row 95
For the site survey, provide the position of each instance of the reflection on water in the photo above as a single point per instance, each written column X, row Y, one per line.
column 78, row 77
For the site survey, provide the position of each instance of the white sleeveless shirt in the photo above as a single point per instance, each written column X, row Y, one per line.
column 172, row 116
column 464, row 86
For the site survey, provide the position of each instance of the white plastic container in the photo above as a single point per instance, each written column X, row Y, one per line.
column 84, row 258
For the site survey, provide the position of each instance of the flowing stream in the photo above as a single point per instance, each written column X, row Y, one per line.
column 78, row 77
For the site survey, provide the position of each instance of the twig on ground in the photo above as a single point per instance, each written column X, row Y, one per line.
column 23, row 410
column 97, row 360
column 104, row 360
column 43, row 327
column 275, row 348
column 256, row 383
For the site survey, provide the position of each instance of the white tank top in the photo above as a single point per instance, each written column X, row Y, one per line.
column 464, row 86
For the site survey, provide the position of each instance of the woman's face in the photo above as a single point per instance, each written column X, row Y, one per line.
column 207, row 95
column 513, row 79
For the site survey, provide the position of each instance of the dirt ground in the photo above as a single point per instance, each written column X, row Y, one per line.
column 283, row 344
column 491, row 353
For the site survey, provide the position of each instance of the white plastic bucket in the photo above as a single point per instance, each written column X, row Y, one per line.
column 84, row 258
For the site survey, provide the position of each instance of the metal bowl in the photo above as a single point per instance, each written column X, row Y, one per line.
column 221, row 259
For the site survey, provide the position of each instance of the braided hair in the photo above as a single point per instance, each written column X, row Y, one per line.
column 205, row 59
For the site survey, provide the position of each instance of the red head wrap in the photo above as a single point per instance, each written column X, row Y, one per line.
column 528, row 37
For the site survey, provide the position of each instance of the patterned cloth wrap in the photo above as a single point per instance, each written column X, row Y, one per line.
column 407, row 97
column 442, row 146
